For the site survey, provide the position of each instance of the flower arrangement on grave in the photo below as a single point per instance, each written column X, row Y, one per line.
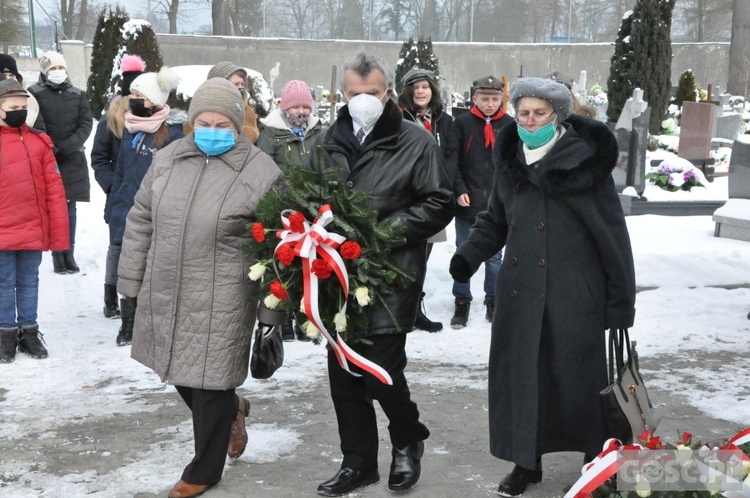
column 668, row 126
column 675, row 174
column 686, row 458
column 323, row 255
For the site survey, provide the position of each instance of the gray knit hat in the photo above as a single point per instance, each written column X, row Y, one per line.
column 11, row 88
column 225, row 69
column 218, row 95
column 552, row 91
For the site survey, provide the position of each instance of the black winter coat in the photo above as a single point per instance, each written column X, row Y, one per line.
column 567, row 276
column 401, row 169
column 68, row 122
column 472, row 161
column 104, row 159
column 441, row 129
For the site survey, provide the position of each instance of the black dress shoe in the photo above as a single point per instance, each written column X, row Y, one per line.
column 406, row 467
column 516, row 482
column 347, row 480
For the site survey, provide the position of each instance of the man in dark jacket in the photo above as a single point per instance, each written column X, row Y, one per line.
column 473, row 136
column 68, row 120
column 401, row 169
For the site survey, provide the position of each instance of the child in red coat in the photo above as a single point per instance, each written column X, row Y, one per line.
column 33, row 218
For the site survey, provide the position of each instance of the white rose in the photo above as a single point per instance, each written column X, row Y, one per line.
column 302, row 305
column 271, row 301
column 362, row 295
column 311, row 330
column 642, row 487
column 340, row 327
column 257, row 271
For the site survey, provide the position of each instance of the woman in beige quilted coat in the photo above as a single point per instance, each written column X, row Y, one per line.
column 183, row 267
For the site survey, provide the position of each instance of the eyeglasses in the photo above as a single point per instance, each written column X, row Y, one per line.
column 539, row 117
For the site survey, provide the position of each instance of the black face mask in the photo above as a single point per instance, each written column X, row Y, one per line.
column 242, row 91
column 138, row 108
column 15, row 119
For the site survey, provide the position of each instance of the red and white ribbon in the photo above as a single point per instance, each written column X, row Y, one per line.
column 601, row 468
column 316, row 242
column 741, row 438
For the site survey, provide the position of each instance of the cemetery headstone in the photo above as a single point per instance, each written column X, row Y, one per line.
column 739, row 171
column 696, row 131
column 631, row 132
column 729, row 126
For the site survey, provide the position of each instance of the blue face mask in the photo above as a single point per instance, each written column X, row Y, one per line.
column 536, row 139
column 214, row 141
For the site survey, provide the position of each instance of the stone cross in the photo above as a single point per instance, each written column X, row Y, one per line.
column 634, row 107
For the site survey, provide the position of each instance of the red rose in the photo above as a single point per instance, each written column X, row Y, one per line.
column 259, row 233
column 285, row 254
column 350, row 250
column 279, row 290
column 297, row 222
column 321, row 268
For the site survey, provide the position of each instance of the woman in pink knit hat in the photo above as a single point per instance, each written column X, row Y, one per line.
column 288, row 130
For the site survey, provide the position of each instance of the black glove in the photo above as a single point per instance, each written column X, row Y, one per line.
column 460, row 269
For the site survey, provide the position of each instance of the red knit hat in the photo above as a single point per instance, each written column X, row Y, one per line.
column 296, row 93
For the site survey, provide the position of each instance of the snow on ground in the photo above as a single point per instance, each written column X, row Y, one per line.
column 686, row 315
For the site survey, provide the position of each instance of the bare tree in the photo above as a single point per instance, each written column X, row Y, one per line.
column 246, row 17
column 219, row 17
column 739, row 59
column 78, row 18
column 706, row 19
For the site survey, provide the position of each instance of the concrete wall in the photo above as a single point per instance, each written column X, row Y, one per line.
column 460, row 63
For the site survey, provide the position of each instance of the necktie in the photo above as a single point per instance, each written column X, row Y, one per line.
column 361, row 135
column 427, row 123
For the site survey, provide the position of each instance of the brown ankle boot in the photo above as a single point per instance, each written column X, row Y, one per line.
column 238, row 435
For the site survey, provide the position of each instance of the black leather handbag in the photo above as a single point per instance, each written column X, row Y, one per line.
column 267, row 352
column 626, row 406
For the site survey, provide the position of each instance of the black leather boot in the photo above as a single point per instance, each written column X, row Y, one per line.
column 424, row 323
column 489, row 311
column 8, row 344
column 127, row 313
column 461, row 315
column 519, row 478
column 111, row 310
column 70, row 262
column 31, row 342
column 58, row 263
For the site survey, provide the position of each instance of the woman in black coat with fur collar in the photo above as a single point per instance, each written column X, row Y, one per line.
column 567, row 277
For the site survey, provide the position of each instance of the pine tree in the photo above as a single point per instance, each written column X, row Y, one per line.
column 643, row 59
column 686, row 89
column 620, row 84
column 106, row 42
column 415, row 54
column 652, row 65
column 137, row 37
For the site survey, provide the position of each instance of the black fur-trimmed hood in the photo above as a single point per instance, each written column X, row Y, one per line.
column 583, row 157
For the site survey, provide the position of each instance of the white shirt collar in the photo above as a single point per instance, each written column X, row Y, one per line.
column 357, row 127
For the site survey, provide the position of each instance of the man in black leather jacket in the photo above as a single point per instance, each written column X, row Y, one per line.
column 401, row 168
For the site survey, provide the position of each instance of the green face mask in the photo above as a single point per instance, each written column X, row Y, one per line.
column 536, row 139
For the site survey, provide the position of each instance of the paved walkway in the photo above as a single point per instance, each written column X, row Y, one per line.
column 456, row 462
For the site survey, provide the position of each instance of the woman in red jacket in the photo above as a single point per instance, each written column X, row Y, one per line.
column 33, row 218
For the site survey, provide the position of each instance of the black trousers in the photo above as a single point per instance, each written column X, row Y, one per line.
column 213, row 414
column 353, row 400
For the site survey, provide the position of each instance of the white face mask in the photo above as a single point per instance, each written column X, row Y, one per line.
column 365, row 109
column 57, row 76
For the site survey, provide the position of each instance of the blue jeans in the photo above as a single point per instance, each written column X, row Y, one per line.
column 19, row 288
column 491, row 266
column 72, row 219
